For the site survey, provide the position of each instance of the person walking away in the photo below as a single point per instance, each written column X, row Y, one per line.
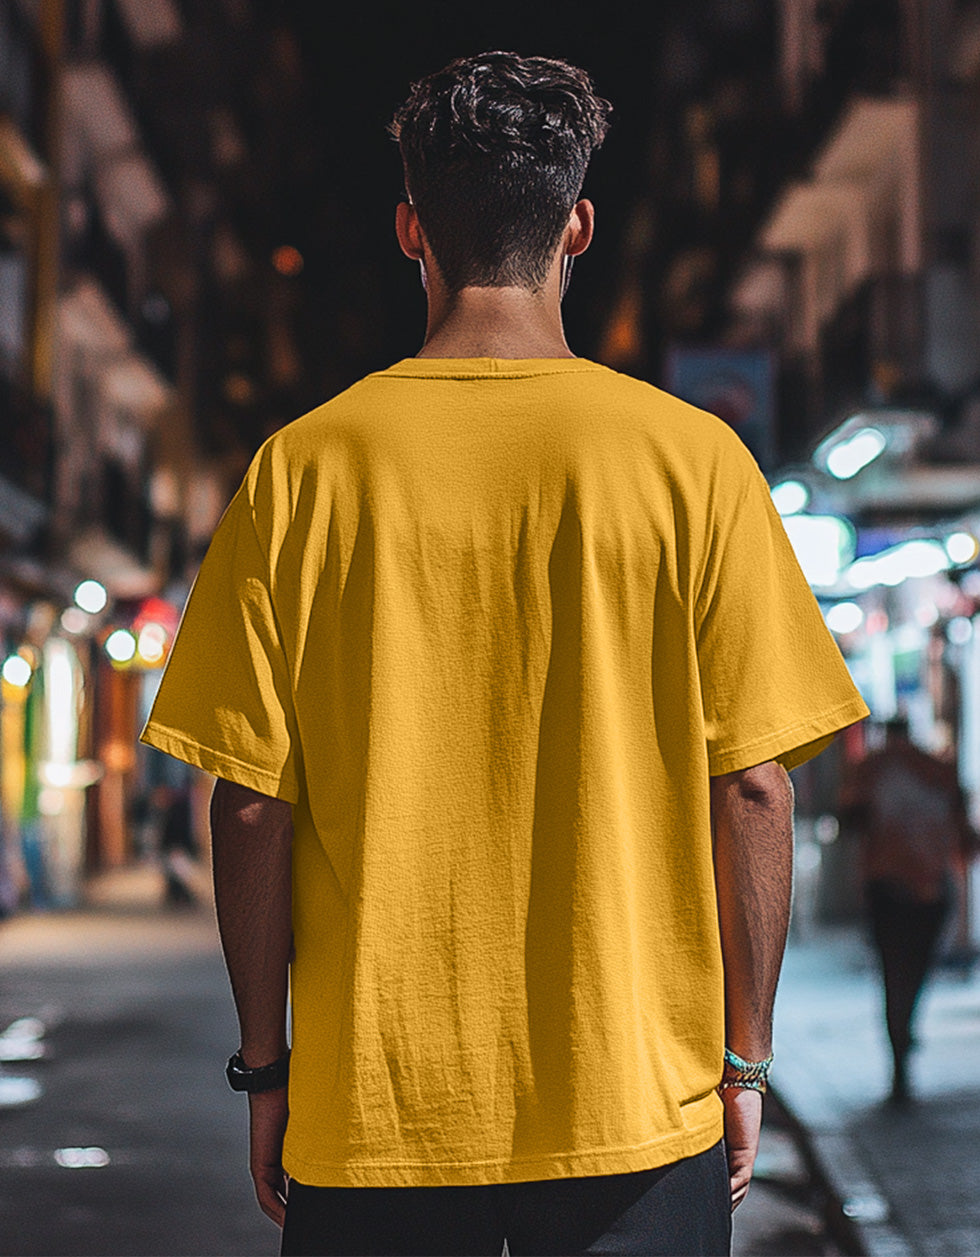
column 501, row 659
column 909, row 811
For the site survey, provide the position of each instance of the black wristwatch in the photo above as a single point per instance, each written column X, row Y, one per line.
column 265, row 1078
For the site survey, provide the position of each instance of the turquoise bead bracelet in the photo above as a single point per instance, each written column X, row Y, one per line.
column 746, row 1075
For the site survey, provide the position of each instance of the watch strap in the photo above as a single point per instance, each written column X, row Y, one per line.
column 264, row 1078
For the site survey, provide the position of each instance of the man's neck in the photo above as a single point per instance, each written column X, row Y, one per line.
column 494, row 323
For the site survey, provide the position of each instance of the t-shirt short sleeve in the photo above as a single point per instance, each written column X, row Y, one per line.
column 225, row 700
column 774, row 685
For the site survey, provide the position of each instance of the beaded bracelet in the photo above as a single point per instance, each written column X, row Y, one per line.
column 747, row 1075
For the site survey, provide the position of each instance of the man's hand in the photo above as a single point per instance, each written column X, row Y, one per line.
column 267, row 1126
column 743, row 1121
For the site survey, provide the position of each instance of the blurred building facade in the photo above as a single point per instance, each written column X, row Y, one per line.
column 807, row 264
column 147, row 345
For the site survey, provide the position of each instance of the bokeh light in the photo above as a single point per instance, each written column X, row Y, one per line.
column 288, row 261
column 120, row 646
column 17, row 671
column 844, row 617
column 91, row 596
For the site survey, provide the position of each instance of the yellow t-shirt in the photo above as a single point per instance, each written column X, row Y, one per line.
column 490, row 625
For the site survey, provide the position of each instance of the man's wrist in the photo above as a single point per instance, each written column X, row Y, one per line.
column 272, row 1076
column 743, row 1074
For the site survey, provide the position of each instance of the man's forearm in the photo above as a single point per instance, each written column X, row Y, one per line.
column 752, row 819
column 251, row 838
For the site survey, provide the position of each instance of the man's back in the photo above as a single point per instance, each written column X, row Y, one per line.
column 501, row 610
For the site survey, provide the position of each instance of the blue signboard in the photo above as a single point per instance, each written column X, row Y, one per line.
column 734, row 384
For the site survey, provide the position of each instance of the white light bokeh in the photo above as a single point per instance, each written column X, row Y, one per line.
column 819, row 542
column 790, row 497
column 120, row 646
column 962, row 547
column 91, row 596
column 844, row 617
column 920, row 557
column 846, row 459
column 17, row 671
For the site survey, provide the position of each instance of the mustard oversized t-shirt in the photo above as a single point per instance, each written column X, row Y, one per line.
column 490, row 625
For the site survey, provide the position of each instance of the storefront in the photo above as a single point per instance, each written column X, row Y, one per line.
column 71, row 707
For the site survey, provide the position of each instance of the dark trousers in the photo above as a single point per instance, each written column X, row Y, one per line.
column 673, row 1211
column 905, row 934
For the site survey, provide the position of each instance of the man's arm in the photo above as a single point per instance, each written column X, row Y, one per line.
column 752, row 823
column 251, row 837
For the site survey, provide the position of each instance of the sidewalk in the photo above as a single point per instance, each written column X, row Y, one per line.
column 907, row 1180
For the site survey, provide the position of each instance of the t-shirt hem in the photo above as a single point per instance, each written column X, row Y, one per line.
column 792, row 745
column 219, row 763
column 660, row 1151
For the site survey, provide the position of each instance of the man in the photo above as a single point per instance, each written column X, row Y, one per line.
column 509, row 654
column 916, row 839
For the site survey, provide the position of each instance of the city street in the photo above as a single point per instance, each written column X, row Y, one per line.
column 138, row 1023
column 318, row 471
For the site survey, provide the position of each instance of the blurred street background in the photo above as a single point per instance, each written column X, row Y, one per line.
column 196, row 247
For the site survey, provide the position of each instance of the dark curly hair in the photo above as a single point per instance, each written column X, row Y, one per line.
column 495, row 149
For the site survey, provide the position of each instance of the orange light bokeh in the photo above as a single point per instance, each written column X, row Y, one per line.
column 287, row 260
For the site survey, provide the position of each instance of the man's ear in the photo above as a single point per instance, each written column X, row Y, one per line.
column 581, row 224
column 408, row 231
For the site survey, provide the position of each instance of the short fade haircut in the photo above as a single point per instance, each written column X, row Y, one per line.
column 495, row 149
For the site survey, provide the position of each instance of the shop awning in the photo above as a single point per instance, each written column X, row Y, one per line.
column 115, row 567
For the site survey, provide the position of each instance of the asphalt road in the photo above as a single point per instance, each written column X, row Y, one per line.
column 136, row 1146
column 139, row 1024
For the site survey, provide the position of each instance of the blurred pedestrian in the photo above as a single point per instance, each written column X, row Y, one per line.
column 501, row 658
column 178, row 849
column 909, row 812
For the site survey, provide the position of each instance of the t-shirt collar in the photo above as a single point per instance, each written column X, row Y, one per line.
column 463, row 368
